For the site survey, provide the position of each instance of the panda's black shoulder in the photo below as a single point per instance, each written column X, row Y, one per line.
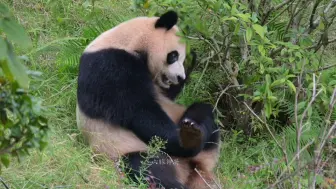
column 113, row 83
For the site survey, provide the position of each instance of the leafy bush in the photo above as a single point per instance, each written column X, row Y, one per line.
column 22, row 126
column 260, row 47
column 274, row 73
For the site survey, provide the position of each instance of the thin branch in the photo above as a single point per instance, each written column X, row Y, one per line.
column 323, row 68
column 274, row 8
column 318, row 45
column 269, row 130
column 4, row 183
column 294, row 13
column 317, row 2
column 319, row 148
column 316, row 22
column 222, row 93
column 290, row 163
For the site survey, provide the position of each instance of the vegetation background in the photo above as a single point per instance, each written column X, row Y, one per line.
column 267, row 67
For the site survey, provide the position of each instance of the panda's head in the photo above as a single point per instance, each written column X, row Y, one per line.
column 157, row 38
column 166, row 53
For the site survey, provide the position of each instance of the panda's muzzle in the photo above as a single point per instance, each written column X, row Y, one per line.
column 170, row 79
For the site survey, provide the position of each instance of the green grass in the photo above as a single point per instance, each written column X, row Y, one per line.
column 67, row 162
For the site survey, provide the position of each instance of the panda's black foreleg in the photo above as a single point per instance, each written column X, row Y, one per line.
column 158, row 171
column 198, row 126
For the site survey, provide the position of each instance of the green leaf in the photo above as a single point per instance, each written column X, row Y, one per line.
column 321, row 26
column 254, row 17
column 291, row 59
column 290, row 76
column 257, row 98
column 4, row 65
column 232, row 18
column 18, row 71
column 298, row 54
column 262, row 68
column 332, row 83
column 5, row 160
column 268, row 109
column 301, row 105
column 43, row 145
column 278, row 82
column 3, row 48
column 310, row 111
column 268, row 79
column 15, row 32
column 237, row 28
column 261, row 50
column 272, row 98
column 291, row 86
column 283, row 51
column 249, row 34
column 259, row 29
column 4, row 12
column 246, row 17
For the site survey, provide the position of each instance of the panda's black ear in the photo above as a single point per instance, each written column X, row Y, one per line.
column 167, row 20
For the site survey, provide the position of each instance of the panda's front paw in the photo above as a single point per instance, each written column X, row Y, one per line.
column 190, row 134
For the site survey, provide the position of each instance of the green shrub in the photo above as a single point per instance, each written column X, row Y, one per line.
column 261, row 47
column 275, row 78
column 22, row 126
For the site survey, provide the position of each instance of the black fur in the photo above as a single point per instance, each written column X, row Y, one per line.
column 116, row 87
column 202, row 115
column 172, row 57
column 159, row 170
column 167, row 20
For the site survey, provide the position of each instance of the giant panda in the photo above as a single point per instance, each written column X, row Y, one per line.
column 121, row 103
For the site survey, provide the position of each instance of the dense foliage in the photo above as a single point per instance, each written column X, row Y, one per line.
column 260, row 47
column 22, row 127
column 269, row 73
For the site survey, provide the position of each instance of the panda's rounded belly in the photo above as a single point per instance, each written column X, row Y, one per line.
column 111, row 140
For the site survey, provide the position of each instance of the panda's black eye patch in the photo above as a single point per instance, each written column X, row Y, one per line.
column 172, row 57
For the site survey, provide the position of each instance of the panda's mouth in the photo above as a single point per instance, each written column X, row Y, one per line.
column 165, row 79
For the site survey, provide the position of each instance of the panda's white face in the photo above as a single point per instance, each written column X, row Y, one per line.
column 173, row 70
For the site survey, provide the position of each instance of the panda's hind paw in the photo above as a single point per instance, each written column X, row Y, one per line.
column 190, row 134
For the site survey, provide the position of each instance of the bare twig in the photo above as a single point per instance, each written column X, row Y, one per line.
column 326, row 134
column 222, row 93
column 274, row 8
column 4, row 183
column 267, row 126
column 311, row 20
column 244, row 50
column 293, row 15
column 313, row 25
column 318, row 45
column 291, row 162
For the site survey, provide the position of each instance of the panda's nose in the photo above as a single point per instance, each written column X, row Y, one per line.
column 181, row 76
column 179, row 79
